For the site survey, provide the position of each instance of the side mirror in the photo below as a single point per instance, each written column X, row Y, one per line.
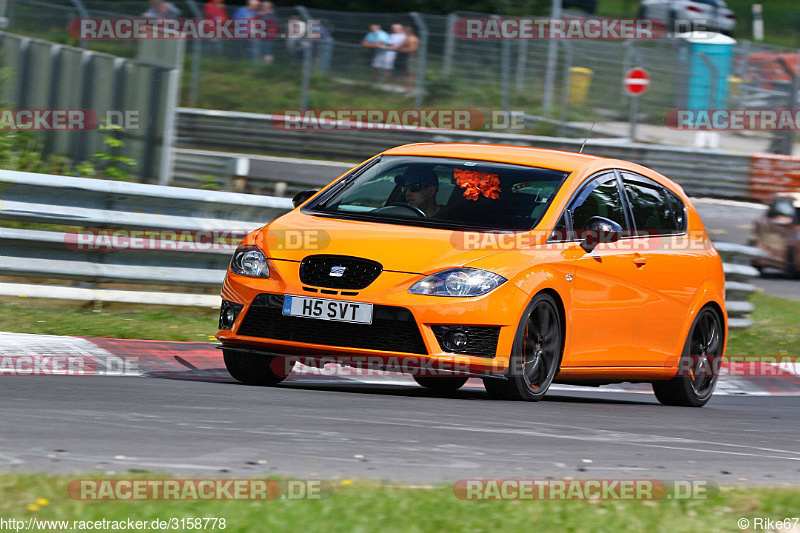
column 302, row 196
column 597, row 230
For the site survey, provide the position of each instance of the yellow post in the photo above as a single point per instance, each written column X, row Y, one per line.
column 580, row 81
column 733, row 86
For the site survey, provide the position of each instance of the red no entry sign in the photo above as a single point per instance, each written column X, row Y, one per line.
column 636, row 81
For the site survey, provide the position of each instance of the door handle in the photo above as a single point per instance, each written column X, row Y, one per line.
column 639, row 261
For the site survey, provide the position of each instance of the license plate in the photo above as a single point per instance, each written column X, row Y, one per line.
column 323, row 309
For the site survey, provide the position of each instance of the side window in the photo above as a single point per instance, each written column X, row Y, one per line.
column 781, row 207
column 600, row 198
column 678, row 210
column 652, row 214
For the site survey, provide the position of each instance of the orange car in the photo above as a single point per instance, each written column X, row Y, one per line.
column 520, row 266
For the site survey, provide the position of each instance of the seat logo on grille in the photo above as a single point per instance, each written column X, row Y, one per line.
column 337, row 271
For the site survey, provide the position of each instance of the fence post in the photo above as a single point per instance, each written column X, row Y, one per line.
column 118, row 98
column 552, row 59
column 81, row 139
column 786, row 142
column 197, row 55
column 56, row 70
column 566, row 79
column 449, row 44
column 308, row 59
column 633, row 120
column 522, row 59
column 81, row 13
column 505, row 72
column 149, row 156
column 422, row 55
column 24, row 61
column 173, row 90
column 626, row 66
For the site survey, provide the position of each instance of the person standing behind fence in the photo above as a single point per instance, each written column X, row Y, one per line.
column 160, row 9
column 267, row 13
column 383, row 61
column 250, row 11
column 396, row 41
column 406, row 52
column 215, row 10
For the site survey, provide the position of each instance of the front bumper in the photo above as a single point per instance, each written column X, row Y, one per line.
column 413, row 343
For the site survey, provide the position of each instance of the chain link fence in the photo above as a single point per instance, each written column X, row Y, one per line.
column 582, row 85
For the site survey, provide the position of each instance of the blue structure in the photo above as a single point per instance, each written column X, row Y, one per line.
column 720, row 51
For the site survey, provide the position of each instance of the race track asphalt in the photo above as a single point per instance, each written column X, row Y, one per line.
column 344, row 429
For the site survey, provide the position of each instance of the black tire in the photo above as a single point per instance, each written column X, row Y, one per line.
column 536, row 355
column 255, row 369
column 791, row 271
column 441, row 384
column 699, row 367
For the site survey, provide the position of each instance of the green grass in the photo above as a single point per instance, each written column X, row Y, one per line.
column 231, row 86
column 117, row 321
column 776, row 329
column 364, row 506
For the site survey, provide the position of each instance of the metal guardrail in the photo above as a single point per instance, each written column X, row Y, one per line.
column 737, row 261
column 70, row 203
column 78, row 203
column 713, row 173
column 276, row 176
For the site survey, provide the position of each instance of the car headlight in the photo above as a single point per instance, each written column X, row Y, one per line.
column 458, row 282
column 249, row 261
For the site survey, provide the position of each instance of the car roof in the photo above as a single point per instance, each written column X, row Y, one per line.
column 530, row 156
column 521, row 155
column 793, row 196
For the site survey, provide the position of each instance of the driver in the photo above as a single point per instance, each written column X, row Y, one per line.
column 420, row 185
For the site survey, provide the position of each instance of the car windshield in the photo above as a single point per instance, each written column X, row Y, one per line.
column 443, row 192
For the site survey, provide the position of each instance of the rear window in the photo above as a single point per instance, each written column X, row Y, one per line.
column 784, row 207
column 652, row 212
column 678, row 210
column 656, row 209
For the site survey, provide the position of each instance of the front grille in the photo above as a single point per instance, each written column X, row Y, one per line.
column 393, row 328
column 358, row 273
column 482, row 339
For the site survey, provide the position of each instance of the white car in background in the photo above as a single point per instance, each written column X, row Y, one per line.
column 689, row 15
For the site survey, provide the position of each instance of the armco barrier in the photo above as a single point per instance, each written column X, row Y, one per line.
column 90, row 203
column 737, row 261
column 276, row 176
column 713, row 173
